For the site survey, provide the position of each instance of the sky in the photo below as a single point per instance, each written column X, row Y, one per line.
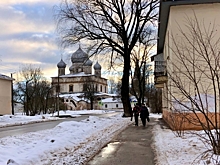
column 28, row 36
column 68, row 142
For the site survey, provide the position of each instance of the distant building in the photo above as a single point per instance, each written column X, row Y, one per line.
column 72, row 85
column 5, row 95
column 111, row 103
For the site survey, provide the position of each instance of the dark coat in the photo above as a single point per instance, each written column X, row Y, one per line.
column 136, row 110
column 144, row 112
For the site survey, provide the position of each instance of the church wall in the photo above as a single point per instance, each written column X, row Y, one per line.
column 98, row 73
column 78, row 67
column 77, row 83
column 87, row 69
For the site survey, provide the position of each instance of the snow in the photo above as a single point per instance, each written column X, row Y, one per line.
column 110, row 100
column 5, row 77
column 76, row 142
column 76, row 75
column 204, row 102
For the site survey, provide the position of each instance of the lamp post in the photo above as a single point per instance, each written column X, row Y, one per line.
column 12, row 96
column 58, row 96
column 144, row 85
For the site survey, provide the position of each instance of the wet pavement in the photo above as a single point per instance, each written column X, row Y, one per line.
column 131, row 147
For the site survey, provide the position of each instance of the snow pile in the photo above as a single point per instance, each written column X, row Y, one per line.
column 68, row 143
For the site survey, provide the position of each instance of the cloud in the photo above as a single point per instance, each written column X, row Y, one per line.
column 11, row 2
column 28, row 35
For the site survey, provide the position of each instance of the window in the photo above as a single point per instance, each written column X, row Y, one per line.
column 116, row 105
column 86, row 87
column 100, row 88
column 70, row 88
column 106, row 106
column 57, row 88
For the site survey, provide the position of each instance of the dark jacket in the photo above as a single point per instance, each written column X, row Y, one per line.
column 136, row 110
column 144, row 112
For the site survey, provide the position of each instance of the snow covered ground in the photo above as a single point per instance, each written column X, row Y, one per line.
column 75, row 141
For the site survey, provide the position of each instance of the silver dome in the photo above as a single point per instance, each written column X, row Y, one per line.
column 79, row 56
column 61, row 64
column 97, row 66
column 88, row 63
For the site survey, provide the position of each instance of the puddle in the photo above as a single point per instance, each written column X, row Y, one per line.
column 111, row 147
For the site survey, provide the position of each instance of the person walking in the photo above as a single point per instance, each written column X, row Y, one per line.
column 136, row 111
column 144, row 114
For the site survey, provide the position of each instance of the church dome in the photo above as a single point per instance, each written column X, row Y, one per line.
column 71, row 68
column 61, row 64
column 88, row 63
column 79, row 56
column 97, row 66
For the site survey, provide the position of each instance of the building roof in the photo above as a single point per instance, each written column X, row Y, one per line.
column 111, row 100
column 73, row 96
column 80, row 74
column 5, row 77
column 78, row 97
column 164, row 15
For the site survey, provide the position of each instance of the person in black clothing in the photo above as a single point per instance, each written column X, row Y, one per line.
column 144, row 114
column 136, row 111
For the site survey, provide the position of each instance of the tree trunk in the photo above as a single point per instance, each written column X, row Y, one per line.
column 91, row 100
column 125, row 88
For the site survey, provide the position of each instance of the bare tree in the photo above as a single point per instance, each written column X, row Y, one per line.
column 112, row 25
column 112, row 85
column 89, row 91
column 139, row 86
column 193, row 85
column 34, row 91
column 140, row 56
column 42, row 96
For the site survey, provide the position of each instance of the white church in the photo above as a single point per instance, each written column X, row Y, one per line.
column 72, row 85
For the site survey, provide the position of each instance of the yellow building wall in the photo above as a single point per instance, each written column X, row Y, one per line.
column 208, row 16
column 5, row 97
column 176, row 45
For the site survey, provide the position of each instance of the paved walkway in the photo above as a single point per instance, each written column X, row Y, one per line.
column 131, row 147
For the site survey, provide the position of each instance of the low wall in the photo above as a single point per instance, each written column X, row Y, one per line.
column 190, row 121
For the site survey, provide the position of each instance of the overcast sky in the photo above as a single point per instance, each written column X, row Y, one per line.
column 28, row 36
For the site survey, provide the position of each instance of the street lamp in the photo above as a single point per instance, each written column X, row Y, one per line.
column 12, row 95
column 144, row 71
column 58, row 96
